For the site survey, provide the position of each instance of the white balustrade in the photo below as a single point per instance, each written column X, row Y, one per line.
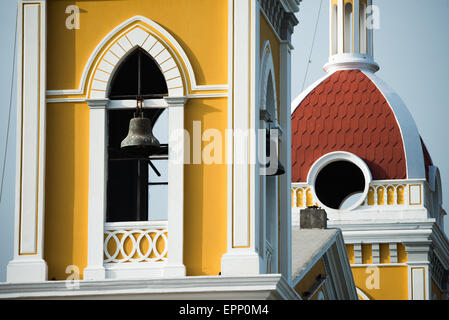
column 134, row 242
column 382, row 193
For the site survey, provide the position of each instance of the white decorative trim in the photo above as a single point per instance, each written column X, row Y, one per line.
column 65, row 100
column 375, row 252
column 419, row 282
column 241, row 229
column 409, row 131
column 350, row 61
column 173, row 266
column 297, row 101
column 137, row 232
column 267, row 74
column 172, row 43
column 259, row 287
column 285, row 211
column 98, row 163
column 357, row 253
column 393, row 252
column 28, row 264
column 338, row 156
column 362, row 294
column 378, row 235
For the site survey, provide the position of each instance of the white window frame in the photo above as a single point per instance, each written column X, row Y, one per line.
column 99, row 105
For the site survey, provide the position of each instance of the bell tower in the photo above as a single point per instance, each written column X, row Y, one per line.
column 351, row 35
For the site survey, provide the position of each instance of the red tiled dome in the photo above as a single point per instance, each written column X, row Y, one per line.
column 347, row 112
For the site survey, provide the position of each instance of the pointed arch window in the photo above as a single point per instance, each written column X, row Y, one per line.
column 137, row 185
column 120, row 236
column 138, row 76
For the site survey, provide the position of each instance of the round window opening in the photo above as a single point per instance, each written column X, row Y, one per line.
column 340, row 185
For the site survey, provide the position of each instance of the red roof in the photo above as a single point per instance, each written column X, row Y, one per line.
column 347, row 112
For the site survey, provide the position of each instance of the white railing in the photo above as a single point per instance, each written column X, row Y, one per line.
column 134, row 242
column 381, row 193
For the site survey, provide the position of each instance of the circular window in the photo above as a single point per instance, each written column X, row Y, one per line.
column 340, row 181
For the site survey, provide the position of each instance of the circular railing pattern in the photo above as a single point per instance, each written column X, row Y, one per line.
column 136, row 245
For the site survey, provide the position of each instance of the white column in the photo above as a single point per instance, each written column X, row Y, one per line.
column 418, row 270
column 285, row 194
column 356, row 26
column 98, row 164
column 369, row 34
column 393, row 252
column 175, row 266
column 340, row 26
column 28, row 264
column 375, row 251
column 241, row 257
column 357, row 253
column 331, row 29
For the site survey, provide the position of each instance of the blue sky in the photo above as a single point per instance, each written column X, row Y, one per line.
column 411, row 47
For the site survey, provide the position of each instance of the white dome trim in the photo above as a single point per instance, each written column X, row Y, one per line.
column 409, row 131
column 297, row 101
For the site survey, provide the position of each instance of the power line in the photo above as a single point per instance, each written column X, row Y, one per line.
column 313, row 43
column 10, row 107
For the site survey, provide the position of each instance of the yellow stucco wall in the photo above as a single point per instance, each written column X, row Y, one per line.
column 205, row 186
column 67, row 182
column 189, row 22
column 392, row 283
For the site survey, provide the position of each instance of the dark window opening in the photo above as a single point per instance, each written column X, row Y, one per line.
column 138, row 76
column 338, row 183
column 130, row 177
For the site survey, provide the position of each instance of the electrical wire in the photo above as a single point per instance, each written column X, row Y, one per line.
column 313, row 43
column 9, row 112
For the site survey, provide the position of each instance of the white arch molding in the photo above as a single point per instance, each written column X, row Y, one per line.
column 172, row 61
column 269, row 202
column 126, row 29
column 267, row 70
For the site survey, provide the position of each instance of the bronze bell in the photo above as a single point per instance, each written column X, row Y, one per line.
column 140, row 138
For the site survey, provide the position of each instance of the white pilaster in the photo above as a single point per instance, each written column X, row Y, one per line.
column 175, row 266
column 357, row 253
column 285, row 212
column 98, row 164
column 340, row 26
column 375, row 251
column 369, row 34
column 241, row 257
column 393, row 252
column 28, row 264
column 418, row 270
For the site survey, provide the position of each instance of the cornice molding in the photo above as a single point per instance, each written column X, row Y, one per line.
column 281, row 16
column 271, row 286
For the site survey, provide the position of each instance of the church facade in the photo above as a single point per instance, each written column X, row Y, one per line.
column 195, row 216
